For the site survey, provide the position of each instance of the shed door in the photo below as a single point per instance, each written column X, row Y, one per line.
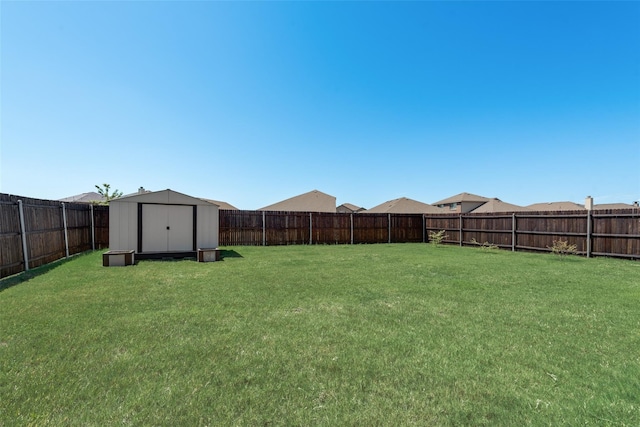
column 167, row 228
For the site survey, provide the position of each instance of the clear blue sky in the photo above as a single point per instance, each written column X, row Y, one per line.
column 255, row 102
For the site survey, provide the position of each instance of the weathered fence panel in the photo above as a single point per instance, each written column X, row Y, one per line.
column 51, row 230
column 11, row 256
column 240, row 228
column 616, row 232
column 371, row 228
column 407, row 228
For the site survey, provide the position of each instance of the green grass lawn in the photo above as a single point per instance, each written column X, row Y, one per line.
column 363, row 335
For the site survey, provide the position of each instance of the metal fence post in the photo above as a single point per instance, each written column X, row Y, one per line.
column 23, row 232
column 66, row 236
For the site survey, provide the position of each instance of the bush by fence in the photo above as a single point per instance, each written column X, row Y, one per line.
column 612, row 232
column 46, row 230
column 35, row 232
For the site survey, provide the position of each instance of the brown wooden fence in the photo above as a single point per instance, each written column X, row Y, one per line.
column 52, row 230
column 612, row 232
column 268, row 228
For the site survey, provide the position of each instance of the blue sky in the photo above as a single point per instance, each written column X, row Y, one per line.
column 255, row 102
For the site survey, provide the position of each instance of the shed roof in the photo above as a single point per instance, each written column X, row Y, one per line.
column 497, row 205
column 462, row 197
column 404, row 205
column 313, row 201
column 167, row 196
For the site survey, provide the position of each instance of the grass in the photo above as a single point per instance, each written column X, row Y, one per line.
column 360, row 335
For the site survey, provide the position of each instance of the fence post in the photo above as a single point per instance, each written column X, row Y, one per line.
column 389, row 226
column 264, row 230
column 64, row 223
column 424, row 229
column 23, row 232
column 589, row 231
column 93, row 230
column 310, row 228
column 513, row 232
column 460, row 229
column 351, row 228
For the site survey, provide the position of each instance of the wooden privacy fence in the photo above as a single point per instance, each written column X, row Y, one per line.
column 35, row 232
column 265, row 228
column 611, row 232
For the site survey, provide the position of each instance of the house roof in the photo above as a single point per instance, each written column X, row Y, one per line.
column 462, row 197
column 313, row 201
column 404, row 205
column 84, row 198
column 556, row 206
column 497, row 205
column 352, row 207
column 612, row 206
column 222, row 205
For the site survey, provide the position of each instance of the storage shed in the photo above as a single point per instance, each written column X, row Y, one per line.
column 162, row 224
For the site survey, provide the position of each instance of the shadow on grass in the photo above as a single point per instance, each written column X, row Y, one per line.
column 229, row 253
column 25, row 276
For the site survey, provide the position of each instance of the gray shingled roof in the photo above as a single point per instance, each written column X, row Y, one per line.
column 612, row 206
column 222, row 205
column 556, row 206
column 313, row 201
column 404, row 205
column 497, row 205
column 84, row 198
column 462, row 197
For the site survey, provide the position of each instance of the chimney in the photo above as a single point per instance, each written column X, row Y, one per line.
column 635, row 204
column 588, row 203
column 141, row 190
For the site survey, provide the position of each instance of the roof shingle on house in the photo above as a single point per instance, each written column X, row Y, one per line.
column 313, row 201
column 497, row 205
column 602, row 206
column 556, row 206
column 349, row 208
column 462, row 197
column 404, row 205
column 222, row 205
column 90, row 197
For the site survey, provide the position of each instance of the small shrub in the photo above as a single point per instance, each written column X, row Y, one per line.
column 562, row 248
column 437, row 237
column 485, row 245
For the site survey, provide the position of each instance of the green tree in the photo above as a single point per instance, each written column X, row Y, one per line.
column 104, row 191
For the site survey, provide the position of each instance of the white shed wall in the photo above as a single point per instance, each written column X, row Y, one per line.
column 208, row 227
column 123, row 226
column 123, row 219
